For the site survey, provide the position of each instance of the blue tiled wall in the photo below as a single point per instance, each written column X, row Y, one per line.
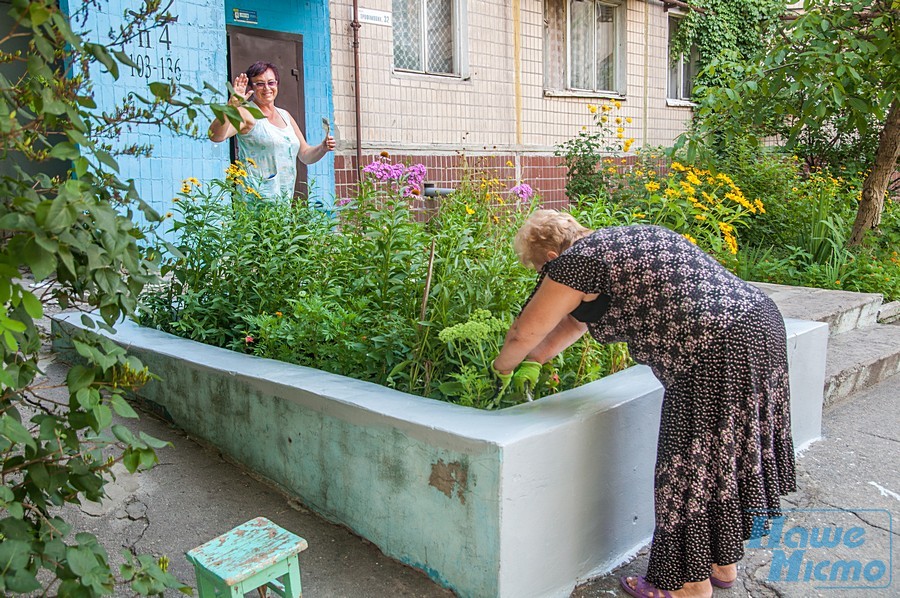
column 198, row 49
column 308, row 18
column 196, row 53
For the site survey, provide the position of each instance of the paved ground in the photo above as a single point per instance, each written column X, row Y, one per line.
column 195, row 494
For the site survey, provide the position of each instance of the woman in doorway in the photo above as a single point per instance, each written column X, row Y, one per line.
column 273, row 142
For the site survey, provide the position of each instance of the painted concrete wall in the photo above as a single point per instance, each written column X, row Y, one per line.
column 195, row 53
column 518, row 503
column 309, row 18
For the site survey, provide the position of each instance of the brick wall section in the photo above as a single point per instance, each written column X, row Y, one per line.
column 433, row 117
column 545, row 174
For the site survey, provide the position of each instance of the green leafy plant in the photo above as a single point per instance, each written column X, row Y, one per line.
column 589, row 155
column 366, row 295
column 67, row 237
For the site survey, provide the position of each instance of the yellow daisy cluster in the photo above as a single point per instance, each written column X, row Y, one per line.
column 186, row 184
column 237, row 174
column 730, row 239
column 695, row 177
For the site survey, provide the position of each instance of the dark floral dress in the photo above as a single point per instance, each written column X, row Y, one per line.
column 718, row 346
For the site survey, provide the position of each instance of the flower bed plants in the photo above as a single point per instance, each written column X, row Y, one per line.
column 384, row 292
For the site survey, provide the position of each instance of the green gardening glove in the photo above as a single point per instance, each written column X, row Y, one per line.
column 501, row 381
column 525, row 379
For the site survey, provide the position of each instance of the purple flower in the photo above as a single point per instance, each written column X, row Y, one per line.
column 413, row 176
column 523, row 191
column 342, row 202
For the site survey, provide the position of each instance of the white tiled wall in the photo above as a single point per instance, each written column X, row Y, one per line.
column 479, row 114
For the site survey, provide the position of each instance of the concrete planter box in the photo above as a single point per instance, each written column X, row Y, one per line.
column 518, row 503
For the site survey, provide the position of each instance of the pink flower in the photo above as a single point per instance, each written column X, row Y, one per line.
column 248, row 339
column 523, row 191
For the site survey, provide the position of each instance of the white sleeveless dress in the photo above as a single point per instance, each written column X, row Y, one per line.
column 275, row 152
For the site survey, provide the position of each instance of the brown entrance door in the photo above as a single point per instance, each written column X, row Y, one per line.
column 285, row 51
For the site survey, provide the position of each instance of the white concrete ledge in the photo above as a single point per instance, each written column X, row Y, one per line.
column 518, row 503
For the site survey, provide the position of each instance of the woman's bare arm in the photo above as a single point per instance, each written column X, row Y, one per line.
column 540, row 327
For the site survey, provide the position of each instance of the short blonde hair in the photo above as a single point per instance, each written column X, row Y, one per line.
column 545, row 231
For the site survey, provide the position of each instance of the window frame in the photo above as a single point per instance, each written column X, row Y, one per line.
column 680, row 100
column 458, row 27
column 619, row 51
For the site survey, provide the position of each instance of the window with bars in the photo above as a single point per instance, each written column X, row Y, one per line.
column 584, row 46
column 425, row 36
column 682, row 68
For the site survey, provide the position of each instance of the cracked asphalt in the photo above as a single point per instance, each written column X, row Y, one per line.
column 848, row 496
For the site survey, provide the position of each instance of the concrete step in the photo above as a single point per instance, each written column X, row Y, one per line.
column 859, row 359
column 889, row 312
column 843, row 311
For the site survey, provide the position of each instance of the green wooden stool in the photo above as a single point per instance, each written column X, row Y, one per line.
column 257, row 554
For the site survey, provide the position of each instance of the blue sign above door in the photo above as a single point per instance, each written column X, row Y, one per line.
column 247, row 17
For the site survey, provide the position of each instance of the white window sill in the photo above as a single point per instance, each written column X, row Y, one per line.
column 578, row 93
column 437, row 78
column 672, row 103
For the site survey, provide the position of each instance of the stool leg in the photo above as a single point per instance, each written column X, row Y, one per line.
column 205, row 588
column 291, row 580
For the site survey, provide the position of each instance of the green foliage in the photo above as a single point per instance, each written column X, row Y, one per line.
column 738, row 27
column 74, row 234
column 824, row 87
column 586, row 176
column 386, row 293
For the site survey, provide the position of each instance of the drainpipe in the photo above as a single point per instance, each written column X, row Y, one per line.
column 355, row 26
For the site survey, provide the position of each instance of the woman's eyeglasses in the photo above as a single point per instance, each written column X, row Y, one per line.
column 272, row 84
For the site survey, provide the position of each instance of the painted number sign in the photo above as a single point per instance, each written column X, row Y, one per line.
column 152, row 56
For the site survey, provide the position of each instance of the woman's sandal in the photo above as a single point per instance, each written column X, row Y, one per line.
column 643, row 588
column 721, row 583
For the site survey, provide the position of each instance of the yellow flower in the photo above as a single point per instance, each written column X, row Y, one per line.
column 620, row 129
column 700, row 217
column 278, row 314
column 251, row 162
column 592, row 109
column 639, row 215
column 620, row 135
column 606, row 108
column 731, row 242
column 611, row 170
column 628, row 120
column 168, row 214
column 759, row 206
column 678, row 166
column 618, row 120
column 603, row 119
column 617, row 104
column 652, row 186
column 692, row 179
column 690, row 238
column 185, row 188
column 509, row 163
column 469, row 210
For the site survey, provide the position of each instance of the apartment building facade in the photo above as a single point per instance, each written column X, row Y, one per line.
column 458, row 85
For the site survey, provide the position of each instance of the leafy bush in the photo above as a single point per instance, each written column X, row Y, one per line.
column 68, row 240
column 367, row 295
column 583, row 154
